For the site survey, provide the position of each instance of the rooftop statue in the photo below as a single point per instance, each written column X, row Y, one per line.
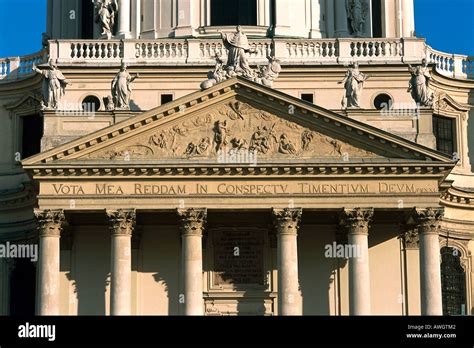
column 357, row 12
column 353, row 84
column 122, row 89
column 238, row 46
column 237, row 63
column 106, row 11
column 54, row 85
column 419, row 84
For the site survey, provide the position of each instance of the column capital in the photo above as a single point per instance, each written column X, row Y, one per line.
column 411, row 236
column 192, row 221
column 428, row 219
column 357, row 221
column 121, row 221
column 50, row 222
column 287, row 220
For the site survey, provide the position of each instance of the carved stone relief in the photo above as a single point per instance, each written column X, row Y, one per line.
column 234, row 126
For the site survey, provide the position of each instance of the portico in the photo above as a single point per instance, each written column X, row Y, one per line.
column 243, row 237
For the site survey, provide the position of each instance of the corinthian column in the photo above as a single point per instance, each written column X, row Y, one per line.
column 121, row 225
column 356, row 222
column 428, row 221
column 191, row 223
column 50, row 225
column 286, row 223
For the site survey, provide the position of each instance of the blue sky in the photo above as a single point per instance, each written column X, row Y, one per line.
column 448, row 25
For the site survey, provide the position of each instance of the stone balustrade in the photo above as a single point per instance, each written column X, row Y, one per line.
column 13, row 68
column 451, row 65
column 203, row 52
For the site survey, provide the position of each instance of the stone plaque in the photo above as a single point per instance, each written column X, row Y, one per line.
column 238, row 257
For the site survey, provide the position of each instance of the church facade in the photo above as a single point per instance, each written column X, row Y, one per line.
column 181, row 157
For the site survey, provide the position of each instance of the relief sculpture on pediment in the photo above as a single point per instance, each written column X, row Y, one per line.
column 230, row 127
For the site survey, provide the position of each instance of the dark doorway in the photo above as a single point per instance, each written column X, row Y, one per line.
column 23, row 288
column 31, row 132
column 377, row 18
column 87, row 20
column 243, row 12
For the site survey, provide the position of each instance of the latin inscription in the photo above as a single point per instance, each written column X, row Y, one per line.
column 249, row 188
column 238, row 257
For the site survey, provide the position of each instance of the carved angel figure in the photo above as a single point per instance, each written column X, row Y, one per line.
column 54, row 84
column 106, row 11
column 357, row 13
column 419, row 84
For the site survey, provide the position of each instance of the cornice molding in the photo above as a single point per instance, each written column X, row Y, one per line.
column 130, row 169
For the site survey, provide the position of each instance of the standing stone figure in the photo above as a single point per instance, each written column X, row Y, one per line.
column 419, row 84
column 238, row 46
column 121, row 88
column 106, row 10
column 357, row 13
column 54, row 85
column 353, row 83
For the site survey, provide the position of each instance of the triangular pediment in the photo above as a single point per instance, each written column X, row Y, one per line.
column 239, row 116
column 445, row 103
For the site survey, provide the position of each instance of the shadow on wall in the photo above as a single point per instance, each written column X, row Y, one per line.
column 160, row 255
column 134, row 106
column 317, row 272
column 91, row 270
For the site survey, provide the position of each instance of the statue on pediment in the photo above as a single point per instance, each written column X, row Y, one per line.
column 353, row 84
column 238, row 47
column 54, row 85
column 122, row 89
column 268, row 73
column 106, row 12
column 419, row 84
column 237, row 64
column 357, row 13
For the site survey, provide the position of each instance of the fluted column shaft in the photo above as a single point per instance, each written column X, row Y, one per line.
column 286, row 223
column 50, row 224
column 428, row 221
column 357, row 222
column 192, row 223
column 121, row 225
